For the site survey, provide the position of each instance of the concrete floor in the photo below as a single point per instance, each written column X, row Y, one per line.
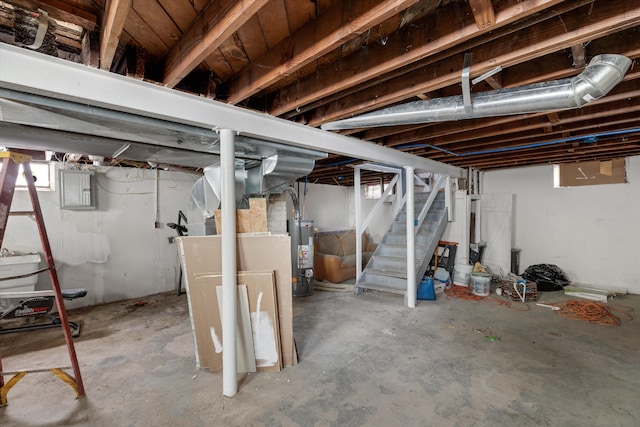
column 364, row 360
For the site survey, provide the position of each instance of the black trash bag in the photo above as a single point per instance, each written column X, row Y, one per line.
column 548, row 277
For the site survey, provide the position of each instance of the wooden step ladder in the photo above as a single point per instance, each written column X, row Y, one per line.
column 11, row 162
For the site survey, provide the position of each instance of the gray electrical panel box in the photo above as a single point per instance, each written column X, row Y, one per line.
column 77, row 189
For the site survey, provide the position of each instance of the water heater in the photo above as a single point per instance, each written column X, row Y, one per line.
column 301, row 232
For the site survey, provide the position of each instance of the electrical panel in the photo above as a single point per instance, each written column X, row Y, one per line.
column 77, row 189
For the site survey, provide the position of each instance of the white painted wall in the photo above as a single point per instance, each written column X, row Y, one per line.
column 328, row 206
column 590, row 232
column 115, row 252
column 457, row 229
column 333, row 207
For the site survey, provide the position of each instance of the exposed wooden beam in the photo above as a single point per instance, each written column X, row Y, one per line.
column 115, row 15
column 522, row 135
column 553, row 117
column 606, row 18
column 379, row 60
column 340, row 23
column 495, row 128
column 319, row 82
column 483, row 13
column 481, row 148
column 495, row 81
column 460, row 131
column 552, row 154
column 214, row 25
column 90, row 54
column 64, row 11
column 135, row 62
column 579, row 55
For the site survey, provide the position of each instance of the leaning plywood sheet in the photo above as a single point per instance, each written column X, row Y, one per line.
column 252, row 220
column 202, row 255
column 258, row 344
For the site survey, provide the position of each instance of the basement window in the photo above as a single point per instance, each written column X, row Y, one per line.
column 374, row 191
column 43, row 173
column 595, row 172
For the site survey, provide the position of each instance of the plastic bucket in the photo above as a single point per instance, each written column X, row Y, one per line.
column 481, row 284
column 461, row 274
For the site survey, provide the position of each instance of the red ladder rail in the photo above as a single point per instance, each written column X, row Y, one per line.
column 10, row 165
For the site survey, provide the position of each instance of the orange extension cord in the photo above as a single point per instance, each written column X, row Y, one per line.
column 594, row 312
column 463, row 292
column 590, row 311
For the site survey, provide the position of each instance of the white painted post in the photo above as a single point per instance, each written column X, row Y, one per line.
column 447, row 199
column 359, row 230
column 412, row 290
column 229, row 268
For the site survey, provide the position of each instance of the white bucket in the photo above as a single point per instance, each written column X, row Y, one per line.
column 481, row 284
column 461, row 273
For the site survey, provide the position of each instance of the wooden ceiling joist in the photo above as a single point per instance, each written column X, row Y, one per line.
column 115, row 16
column 579, row 55
column 466, row 131
column 483, row 13
column 214, row 25
column 339, row 24
column 495, row 81
column 378, row 60
column 63, row 11
column 605, row 19
column 323, row 81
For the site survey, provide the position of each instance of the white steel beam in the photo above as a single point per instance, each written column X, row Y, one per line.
column 44, row 75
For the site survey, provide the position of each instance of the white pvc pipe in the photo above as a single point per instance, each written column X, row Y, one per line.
column 229, row 268
column 412, row 291
column 359, row 230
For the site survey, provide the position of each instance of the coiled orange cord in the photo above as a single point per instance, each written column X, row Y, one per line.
column 593, row 312
column 463, row 292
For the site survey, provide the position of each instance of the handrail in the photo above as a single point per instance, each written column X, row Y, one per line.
column 423, row 213
column 361, row 226
column 369, row 218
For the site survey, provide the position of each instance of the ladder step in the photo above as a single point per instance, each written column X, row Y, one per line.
column 32, row 371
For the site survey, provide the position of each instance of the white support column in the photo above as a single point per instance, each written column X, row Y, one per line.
column 229, row 268
column 359, row 230
column 447, row 199
column 412, row 290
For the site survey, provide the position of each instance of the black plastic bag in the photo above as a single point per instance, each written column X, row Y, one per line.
column 548, row 277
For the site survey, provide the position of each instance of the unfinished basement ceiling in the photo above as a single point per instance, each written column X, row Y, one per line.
column 313, row 62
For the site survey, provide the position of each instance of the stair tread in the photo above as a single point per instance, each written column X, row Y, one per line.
column 398, row 245
column 383, row 288
column 388, row 273
column 390, row 257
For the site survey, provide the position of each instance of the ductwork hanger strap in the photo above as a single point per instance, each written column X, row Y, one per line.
column 43, row 25
column 466, row 87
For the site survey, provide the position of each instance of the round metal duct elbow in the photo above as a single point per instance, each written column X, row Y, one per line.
column 602, row 74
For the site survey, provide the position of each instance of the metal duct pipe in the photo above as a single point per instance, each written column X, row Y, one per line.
column 597, row 79
column 296, row 203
